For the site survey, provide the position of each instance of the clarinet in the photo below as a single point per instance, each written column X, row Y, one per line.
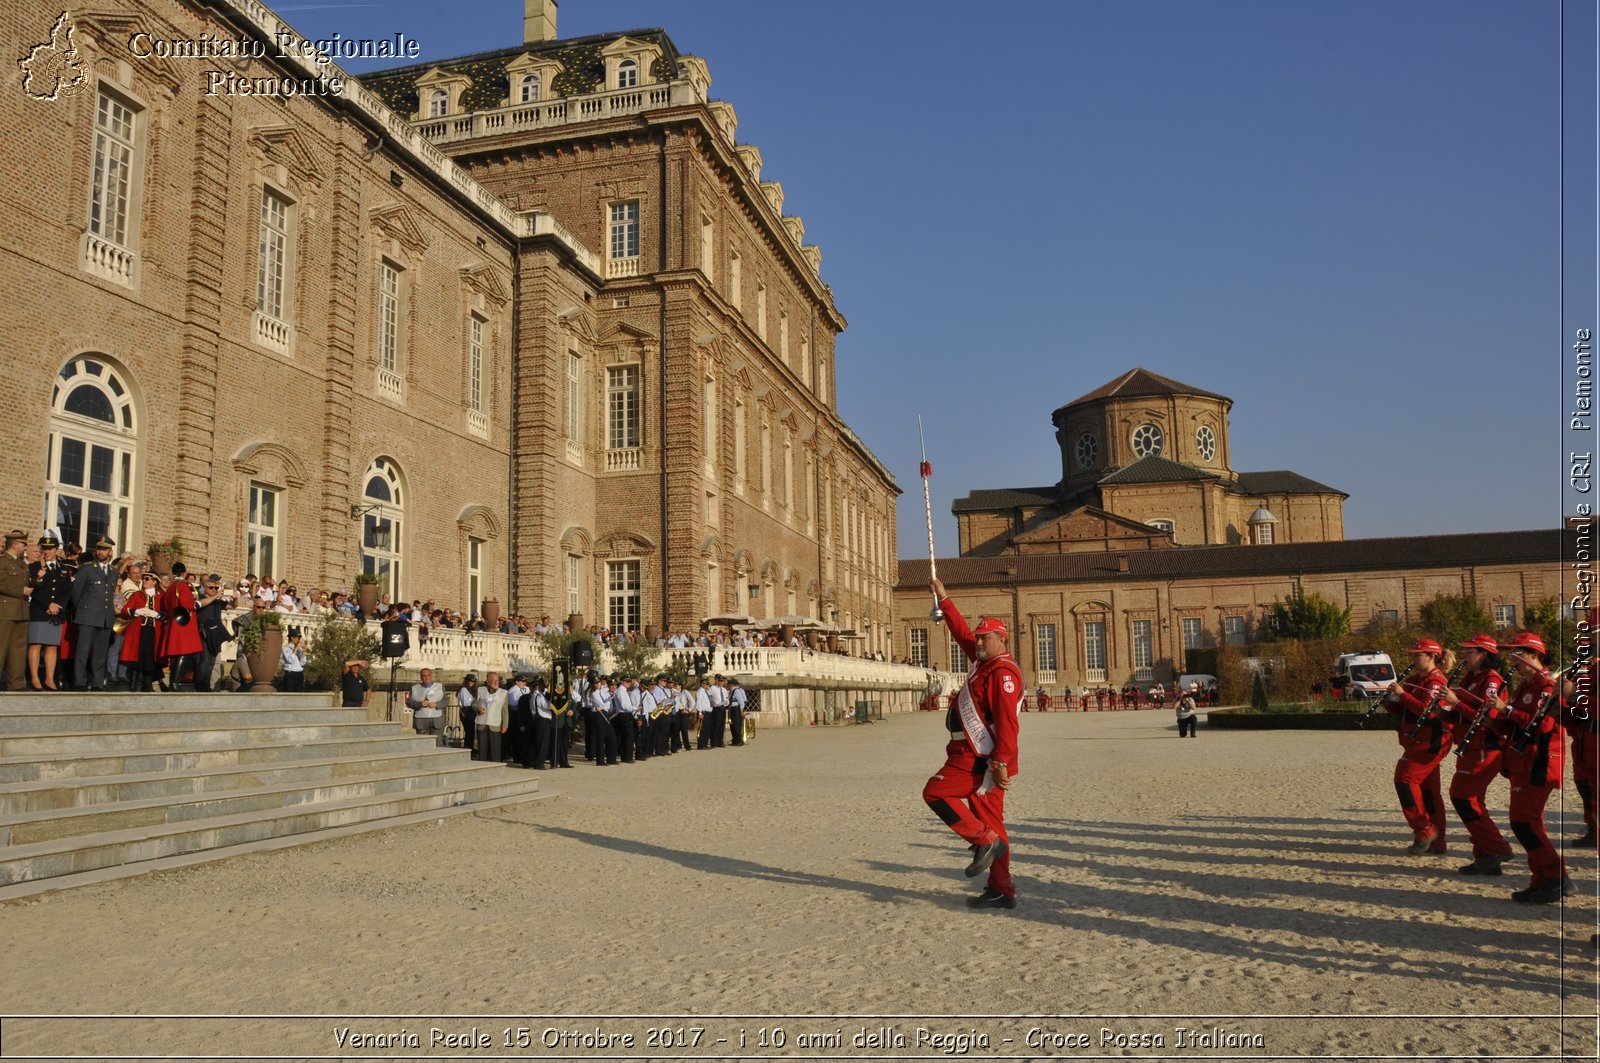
column 1520, row 739
column 1472, row 730
column 1433, row 699
column 1374, row 704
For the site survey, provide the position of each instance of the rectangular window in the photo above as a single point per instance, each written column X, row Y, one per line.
column 622, row 407
column 622, row 596
column 738, row 445
column 475, row 364
column 262, row 532
column 574, row 586
column 1233, row 630
column 1505, row 616
column 1094, row 649
column 1143, row 643
column 112, row 184
column 389, row 317
column 1388, row 616
column 783, row 336
column 761, row 311
column 1191, row 633
column 1044, row 646
column 958, row 660
column 271, row 265
column 625, row 229
column 708, row 244
column 574, row 393
column 736, row 280
column 919, row 646
column 474, row 574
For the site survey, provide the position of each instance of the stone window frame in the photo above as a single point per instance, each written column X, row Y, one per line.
column 917, row 654
column 122, row 434
column 1088, row 440
column 1147, row 439
column 1205, row 443
column 276, row 331
column 437, row 80
column 116, row 257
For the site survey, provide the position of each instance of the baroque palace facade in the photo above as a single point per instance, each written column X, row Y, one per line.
column 527, row 325
column 1152, row 545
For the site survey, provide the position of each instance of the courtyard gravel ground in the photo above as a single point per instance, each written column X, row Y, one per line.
column 795, row 899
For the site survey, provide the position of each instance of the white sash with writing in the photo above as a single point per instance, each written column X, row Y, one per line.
column 977, row 732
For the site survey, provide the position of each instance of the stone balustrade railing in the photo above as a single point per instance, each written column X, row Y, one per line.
column 545, row 114
column 455, row 650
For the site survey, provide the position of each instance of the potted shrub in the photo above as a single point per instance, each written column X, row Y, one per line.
column 164, row 553
column 260, row 638
column 367, row 595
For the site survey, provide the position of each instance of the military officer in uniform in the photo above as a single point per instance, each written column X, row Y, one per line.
column 47, row 612
column 14, row 591
column 94, row 610
column 737, row 699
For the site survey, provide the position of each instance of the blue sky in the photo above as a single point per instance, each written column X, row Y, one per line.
column 1346, row 216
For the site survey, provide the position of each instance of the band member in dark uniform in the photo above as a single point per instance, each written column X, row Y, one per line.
column 94, row 611
column 141, row 643
column 47, row 613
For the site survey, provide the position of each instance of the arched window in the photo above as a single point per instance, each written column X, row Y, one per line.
column 93, row 444
column 438, row 103
column 530, row 88
column 627, row 74
column 383, row 526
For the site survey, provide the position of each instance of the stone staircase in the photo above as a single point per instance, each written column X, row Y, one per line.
column 93, row 788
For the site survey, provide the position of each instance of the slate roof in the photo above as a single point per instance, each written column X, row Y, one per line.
column 1219, row 562
column 1005, row 498
column 1156, row 470
column 1142, row 382
column 581, row 68
column 1283, row 482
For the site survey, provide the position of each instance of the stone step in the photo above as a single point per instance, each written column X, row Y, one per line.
column 72, row 701
column 83, row 793
column 23, row 866
column 91, row 765
column 26, row 828
column 73, row 742
column 169, row 716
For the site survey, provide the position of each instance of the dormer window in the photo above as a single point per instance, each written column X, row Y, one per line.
column 438, row 103
column 530, row 89
column 627, row 74
column 441, row 93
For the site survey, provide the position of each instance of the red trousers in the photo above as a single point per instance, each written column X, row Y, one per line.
column 1416, row 783
column 1527, row 823
column 953, row 795
column 1467, row 787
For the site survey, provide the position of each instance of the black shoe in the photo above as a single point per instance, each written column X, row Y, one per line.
column 984, row 855
column 1483, row 865
column 1422, row 845
column 992, row 898
column 1586, row 840
column 1548, row 893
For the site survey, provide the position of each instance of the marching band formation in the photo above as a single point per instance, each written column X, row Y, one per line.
column 1519, row 728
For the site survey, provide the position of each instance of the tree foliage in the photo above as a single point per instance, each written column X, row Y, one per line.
column 1547, row 619
column 332, row 644
column 1309, row 616
column 1453, row 618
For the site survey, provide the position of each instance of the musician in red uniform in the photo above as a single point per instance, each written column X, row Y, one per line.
column 1424, row 741
column 181, row 630
column 141, row 639
column 1470, row 704
column 1533, row 723
column 969, row 792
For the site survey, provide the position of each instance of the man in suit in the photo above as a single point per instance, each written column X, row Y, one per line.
column 94, row 611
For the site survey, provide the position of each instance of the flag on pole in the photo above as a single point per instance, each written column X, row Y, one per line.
column 927, row 469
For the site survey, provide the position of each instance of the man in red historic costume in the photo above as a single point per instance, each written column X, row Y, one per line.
column 969, row 792
column 181, row 631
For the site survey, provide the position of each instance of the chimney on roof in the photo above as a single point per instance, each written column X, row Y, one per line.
column 538, row 21
column 1122, row 562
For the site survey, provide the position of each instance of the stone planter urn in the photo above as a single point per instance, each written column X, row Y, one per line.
column 575, row 622
column 161, row 561
column 367, row 598
column 264, row 661
column 490, row 611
